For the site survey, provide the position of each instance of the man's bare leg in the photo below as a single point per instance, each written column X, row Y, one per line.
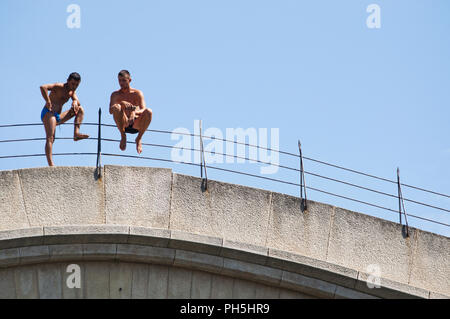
column 76, row 127
column 121, row 120
column 50, row 127
column 67, row 115
column 141, row 124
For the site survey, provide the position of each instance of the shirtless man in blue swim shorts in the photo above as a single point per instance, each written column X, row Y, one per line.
column 51, row 114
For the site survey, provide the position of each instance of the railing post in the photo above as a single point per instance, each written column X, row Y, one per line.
column 202, row 161
column 303, row 201
column 99, row 144
column 399, row 200
column 401, row 204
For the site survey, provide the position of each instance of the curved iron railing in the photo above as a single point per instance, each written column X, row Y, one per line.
column 204, row 167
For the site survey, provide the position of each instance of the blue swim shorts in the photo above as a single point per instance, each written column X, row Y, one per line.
column 46, row 110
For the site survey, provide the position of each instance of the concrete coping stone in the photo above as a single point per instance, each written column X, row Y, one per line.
column 190, row 241
column 86, row 234
column 244, row 251
column 21, row 237
column 158, row 237
column 390, row 289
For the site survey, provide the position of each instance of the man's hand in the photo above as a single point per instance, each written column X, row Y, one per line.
column 44, row 91
column 48, row 105
column 131, row 118
column 138, row 113
column 75, row 107
column 131, row 108
column 128, row 106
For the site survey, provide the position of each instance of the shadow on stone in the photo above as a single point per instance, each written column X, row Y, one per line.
column 98, row 173
column 303, row 205
column 204, row 186
column 405, row 231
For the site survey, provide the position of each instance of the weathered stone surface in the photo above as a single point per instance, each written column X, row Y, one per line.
column 243, row 289
column 247, row 233
column 200, row 243
column 64, row 190
column 362, row 242
column 149, row 236
column 245, row 252
column 86, row 234
column 26, row 282
column 221, row 287
column 9, row 257
column 242, row 269
column 201, row 285
column 50, row 281
column 158, row 281
column 193, row 260
column 138, row 196
column 99, row 251
column 179, row 283
column 211, row 213
column 12, row 209
column 121, row 275
column 7, row 284
column 267, row 292
column 34, row 254
column 431, row 263
column 345, row 293
column 66, row 252
column 289, row 294
column 434, row 295
column 312, row 267
column 304, row 233
column 388, row 288
column 140, row 253
column 21, row 237
column 307, row 285
column 140, row 281
column 96, row 280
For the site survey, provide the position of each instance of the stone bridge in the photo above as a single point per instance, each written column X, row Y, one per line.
column 141, row 232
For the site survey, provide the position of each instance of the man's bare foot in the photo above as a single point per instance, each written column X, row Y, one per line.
column 79, row 136
column 138, row 146
column 123, row 143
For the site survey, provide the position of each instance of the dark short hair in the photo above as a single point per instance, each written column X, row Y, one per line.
column 124, row 72
column 74, row 76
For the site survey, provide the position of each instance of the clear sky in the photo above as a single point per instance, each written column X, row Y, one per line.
column 367, row 99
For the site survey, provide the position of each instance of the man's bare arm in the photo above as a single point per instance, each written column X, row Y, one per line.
column 112, row 101
column 75, row 98
column 44, row 91
column 124, row 105
column 141, row 102
column 75, row 103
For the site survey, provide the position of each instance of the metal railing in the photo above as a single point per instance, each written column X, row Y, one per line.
column 204, row 167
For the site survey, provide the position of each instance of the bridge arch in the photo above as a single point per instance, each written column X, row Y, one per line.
column 230, row 241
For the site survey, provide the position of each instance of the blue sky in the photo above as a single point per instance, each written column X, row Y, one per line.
column 367, row 99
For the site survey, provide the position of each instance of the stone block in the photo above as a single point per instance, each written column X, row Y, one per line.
column 138, row 196
column 199, row 243
column 179, row 286
column 158, row 237
column 158, row 281
column 12, row 209
column 62, row 196
column 210, row 212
